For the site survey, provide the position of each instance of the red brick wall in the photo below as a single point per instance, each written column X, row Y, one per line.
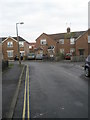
column 49, row 43
column 66, row 46
column 82, row 43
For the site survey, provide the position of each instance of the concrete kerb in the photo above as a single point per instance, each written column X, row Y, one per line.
column 14, row 100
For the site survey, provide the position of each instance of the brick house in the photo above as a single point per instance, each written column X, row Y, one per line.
column 44, row 43
column 60, row 43
column 82, row 44
column 10, row 47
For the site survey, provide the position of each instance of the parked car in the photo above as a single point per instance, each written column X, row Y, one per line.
column 87, row 66
column 31, row 56
column 68, row 56
column 39, row 56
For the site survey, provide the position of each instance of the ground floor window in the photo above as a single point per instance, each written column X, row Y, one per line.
column 62, row 50
column 10, row 53
column 22, row 53
column 81, row 51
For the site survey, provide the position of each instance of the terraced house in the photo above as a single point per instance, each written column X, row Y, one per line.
column 63, row 43
column 83, row 44
column 10, row 47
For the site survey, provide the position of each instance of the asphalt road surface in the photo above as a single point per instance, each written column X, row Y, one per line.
column 57, row 90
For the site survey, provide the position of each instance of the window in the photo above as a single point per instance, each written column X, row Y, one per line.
column 61, row 41
column 43, row 42
column 9, row 44
column 88, row 39
column 72, row 50
column 22, row 53
column 10, row 53
column 21, row 44
column 51, row 47
column 72, row 41
column 62, row 50
column 30, row 47
column 81, row 51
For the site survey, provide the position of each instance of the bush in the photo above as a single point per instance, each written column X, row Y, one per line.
column 78, row 58
column 59, row 56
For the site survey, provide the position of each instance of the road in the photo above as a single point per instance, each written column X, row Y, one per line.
column 56, row 90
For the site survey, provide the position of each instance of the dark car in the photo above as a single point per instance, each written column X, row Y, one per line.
column 87, row 66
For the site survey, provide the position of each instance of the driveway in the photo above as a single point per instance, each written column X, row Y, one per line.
column 57, row 90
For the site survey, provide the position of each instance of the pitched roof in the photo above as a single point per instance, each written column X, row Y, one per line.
column 66, row 35
column 20, row 38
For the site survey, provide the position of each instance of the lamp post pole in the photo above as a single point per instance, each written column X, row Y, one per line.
column 18, row 41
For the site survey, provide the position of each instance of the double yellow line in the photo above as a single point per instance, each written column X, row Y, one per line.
column 26, row 95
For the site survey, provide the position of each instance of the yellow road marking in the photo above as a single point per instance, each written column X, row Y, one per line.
column 28, row 95
column 24, row 106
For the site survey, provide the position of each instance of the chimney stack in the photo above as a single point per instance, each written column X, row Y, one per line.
column 68, row 30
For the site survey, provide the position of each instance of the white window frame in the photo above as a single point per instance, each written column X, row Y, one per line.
column 43, row 42
column 61, row 41
column 88, row 39
column 21, row 44
column 30, row 46
column 10, row 51
column 22, row 53
column 72, row 41
column 9, row 44
column 72, row 50
column 62, row 50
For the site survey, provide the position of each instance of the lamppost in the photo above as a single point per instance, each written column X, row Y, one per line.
column 18, row 41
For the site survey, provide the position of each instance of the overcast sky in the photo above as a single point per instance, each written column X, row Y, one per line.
column 48, row 16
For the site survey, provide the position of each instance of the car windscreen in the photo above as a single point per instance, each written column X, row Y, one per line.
column 88, row 58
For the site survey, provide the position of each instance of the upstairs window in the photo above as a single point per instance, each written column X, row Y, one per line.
column 43, row 42
column 30, row 47
column 10, row 44
column 61, row 41
column 72, row 41
column 88, row 39
column 21, row 44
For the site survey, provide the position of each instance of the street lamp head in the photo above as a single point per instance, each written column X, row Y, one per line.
column 21, row 22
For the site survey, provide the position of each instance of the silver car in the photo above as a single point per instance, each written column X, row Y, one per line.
column 39, row 56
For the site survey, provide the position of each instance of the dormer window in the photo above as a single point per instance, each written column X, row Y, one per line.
column 61, row 41
column 72, row 41
column 43, row 42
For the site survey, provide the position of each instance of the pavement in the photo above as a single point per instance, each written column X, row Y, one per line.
column 10, row 78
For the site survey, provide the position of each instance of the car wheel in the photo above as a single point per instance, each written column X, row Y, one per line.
column 87, row 73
